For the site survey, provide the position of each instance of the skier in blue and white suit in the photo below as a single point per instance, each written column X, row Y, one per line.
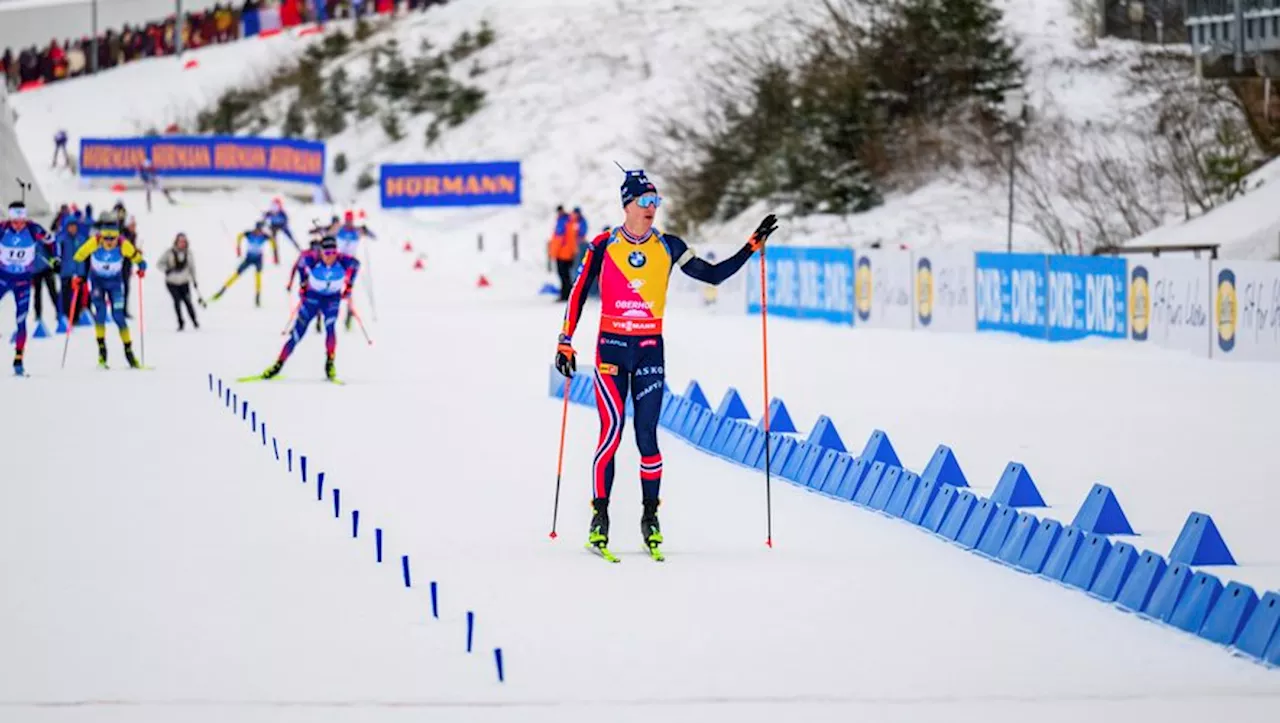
column 278, row 221
column 25, row 250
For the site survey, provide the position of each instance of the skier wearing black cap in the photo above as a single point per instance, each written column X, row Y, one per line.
column 328, row 279
column 25, row 251
column 634, row 262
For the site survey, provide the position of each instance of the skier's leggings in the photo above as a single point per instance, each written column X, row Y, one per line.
column 181, row 294
column 104, row 294
column 44, row 279
column 312, row 305
column 625, row 363
column 21, row 289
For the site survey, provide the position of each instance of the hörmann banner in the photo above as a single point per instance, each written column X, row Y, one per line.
column 428, row 185
column 268, row 159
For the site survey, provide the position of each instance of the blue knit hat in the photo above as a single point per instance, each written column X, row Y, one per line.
column 636, row 185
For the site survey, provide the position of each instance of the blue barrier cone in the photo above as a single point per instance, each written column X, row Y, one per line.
column 62, row 325
column 41, row 332
column 85, row 319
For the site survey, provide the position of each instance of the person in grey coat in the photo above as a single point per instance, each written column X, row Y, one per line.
column 179, row 267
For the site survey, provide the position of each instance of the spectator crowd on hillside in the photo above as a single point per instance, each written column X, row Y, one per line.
column 223, row 23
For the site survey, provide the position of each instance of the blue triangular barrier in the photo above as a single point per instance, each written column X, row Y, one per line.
column 1200, row 543
column 62, row 328
column 1164, row 600
column 1083, row 571
column 823, row 470
column 906, row 490
column 974, row 527
column 1115, row 572
column 779, row 417
column 997, row 532
column 1024, row 528
column 1063, row 553
column 944, row 468
column 1147, row 573
column 555, row 385
column 884, row 491
column 958, row 515
column 921, row 501
column 851, row 479
column 41, row 332
column 727, row 437
column 779, row 452
column 549, row 288
column 681, row 413
column 1229, row 615
column 85, row 319
column 1261, row 627
column 743, row 448
column 1039, row 546
column 824, row 434
column 1197, row 600
column 867, row 488
column 938, row 510
column 1101, row 513
column 812, row 457
column 694, row 394
column 694, row 429
column 1016, row 489
column 670, row 403
column 839, row 468
column 880, row 449
column 704, row 439
column 731, row 407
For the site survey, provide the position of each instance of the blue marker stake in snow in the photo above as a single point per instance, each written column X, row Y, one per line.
column 235, row 402
column 471, row 628
column 211, row 381
column 377, row 542
column 355, row 523
column 275, row 447
column 244, row 411
column 435, row 602
column 264, row 434
column 320, row 487
column 404, row 566
column 289, row 459
column 255, row 420
column 302, row 459
column 497, row 659
column 219, row 387
column 228, row 397
column 337, row 503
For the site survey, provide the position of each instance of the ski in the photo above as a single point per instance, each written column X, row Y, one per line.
column 603, row 552
column 257, row 378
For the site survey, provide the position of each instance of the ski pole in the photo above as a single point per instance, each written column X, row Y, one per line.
column 564, row 420
column 368, row 256
column 764, row 348
column 293, row 315
column 71, row 320
column 142, row 320
column 351, row 308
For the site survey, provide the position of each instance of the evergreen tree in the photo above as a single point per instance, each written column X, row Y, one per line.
column 294, row 122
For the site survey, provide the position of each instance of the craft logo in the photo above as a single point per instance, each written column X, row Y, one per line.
column 1226, row 309
column 924, row 291
column 1139, row 303
column 637, row 259
column 862, row 288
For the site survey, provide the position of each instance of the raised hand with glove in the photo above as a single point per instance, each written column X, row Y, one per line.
column 763, row 232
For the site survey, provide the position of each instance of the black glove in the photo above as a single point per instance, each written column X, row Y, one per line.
column 55, row 263
column 566, row 358
column 763, row 231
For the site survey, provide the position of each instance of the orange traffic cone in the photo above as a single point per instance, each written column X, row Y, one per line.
column 408, row 246
column 483, row 282
column 418, row 264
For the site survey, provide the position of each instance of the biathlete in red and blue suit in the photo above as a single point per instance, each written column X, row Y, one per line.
column 633, row 263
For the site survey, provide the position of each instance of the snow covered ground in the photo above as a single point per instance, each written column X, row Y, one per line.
column 159, row 564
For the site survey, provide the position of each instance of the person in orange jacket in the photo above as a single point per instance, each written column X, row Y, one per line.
column 564, row 249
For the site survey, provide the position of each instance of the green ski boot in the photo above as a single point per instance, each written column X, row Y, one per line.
column 273, row 370
column 329, row 372
column 598, row 536
column 102, row 353
column 650, row 530
column 130, row 358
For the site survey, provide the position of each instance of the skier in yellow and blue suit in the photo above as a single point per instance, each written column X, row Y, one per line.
column 106, row 253
column 255, row 242
column 633, row 263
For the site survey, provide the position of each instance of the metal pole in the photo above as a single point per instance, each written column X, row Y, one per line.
column 515, row 246
column 1013, row 157
column 93, row 50
column 480, row 242
column 1239, row 37
column 177, row 28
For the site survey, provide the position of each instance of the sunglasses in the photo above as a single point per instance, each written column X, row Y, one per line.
column 649, row 201
column 329, row 252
